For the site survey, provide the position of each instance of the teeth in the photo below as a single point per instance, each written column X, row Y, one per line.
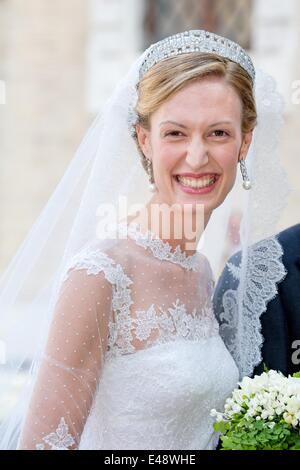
column 197, row 183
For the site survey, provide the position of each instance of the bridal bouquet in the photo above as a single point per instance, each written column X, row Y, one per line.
column 262, row 414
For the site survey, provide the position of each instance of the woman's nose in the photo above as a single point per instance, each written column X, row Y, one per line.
column 197, row 154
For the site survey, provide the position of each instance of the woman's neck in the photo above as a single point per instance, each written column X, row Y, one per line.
column 176, row 224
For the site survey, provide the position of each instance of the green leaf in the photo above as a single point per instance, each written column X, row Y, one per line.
column 222, row 427
column 296, row 375
column 265, row 367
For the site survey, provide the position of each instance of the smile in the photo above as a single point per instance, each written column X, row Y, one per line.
column 200, row 185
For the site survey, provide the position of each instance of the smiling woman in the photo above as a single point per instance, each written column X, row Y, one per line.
column 130, row 355
column 195, row 119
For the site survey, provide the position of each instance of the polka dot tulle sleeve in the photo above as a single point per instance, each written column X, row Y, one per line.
column 71, row 364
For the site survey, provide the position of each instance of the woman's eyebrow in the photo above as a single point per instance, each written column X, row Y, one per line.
column 219, row 123
column 173, row 122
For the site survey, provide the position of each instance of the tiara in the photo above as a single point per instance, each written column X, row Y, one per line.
column 196, row 40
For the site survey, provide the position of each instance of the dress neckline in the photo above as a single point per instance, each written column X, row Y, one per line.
column 160, row 249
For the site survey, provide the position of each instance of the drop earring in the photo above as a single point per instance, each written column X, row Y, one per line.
column 246, row 181
column 152, row 185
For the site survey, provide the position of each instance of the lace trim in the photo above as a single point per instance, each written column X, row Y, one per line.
column 96, row 261
column 176, row 319
column 170, row 324
column 160, row 248
column 58, row 440
column 243, row 307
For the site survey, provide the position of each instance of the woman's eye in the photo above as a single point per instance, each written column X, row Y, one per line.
column 174, row 133
column 220, row 133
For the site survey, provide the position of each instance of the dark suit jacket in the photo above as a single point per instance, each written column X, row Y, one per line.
column 281, row 321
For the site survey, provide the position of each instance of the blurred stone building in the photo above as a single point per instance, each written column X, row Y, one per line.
column 60, row 59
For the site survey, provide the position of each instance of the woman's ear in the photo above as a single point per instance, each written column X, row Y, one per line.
column 143, row 137
column 247, row 139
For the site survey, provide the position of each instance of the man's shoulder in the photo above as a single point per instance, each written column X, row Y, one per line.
column 289, row 239
column 290, row 236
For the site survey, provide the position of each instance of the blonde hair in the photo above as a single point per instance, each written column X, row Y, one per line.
column 171, row 75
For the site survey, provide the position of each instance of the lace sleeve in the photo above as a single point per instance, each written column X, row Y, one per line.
column 70, row 367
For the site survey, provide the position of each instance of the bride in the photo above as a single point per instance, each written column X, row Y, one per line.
column 127, row 352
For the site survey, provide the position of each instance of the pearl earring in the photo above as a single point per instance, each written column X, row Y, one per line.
column 246, row 181
column 152, row 185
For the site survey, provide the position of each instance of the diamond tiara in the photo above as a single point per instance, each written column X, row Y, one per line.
column 196, row 41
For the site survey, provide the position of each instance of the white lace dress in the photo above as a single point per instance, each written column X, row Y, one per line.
column 134, row 359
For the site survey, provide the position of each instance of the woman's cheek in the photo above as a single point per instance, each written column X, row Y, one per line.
column 167, row 157
column 228, row 164
column 228, row 161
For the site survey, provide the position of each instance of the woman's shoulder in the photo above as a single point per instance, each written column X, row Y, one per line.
column 101, row 258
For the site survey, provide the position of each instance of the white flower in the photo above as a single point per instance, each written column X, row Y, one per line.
column 236, row 408
column 288, row 418
column 265, row 414
column 250, row 413
column 219, row 418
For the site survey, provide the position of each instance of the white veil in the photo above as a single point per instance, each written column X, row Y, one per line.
column 106, row 166
column 258, row 267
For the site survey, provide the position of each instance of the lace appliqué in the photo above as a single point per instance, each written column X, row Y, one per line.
column 58, row 440
column 94, row 261
column 173, row 323
column 160, row 248
column 240, row 320
column 170, row 324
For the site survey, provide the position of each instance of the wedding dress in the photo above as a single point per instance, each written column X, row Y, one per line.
column 165, row 365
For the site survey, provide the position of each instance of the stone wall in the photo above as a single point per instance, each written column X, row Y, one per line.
column 42, row 46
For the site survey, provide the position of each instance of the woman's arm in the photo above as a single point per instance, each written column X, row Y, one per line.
column 71, row 364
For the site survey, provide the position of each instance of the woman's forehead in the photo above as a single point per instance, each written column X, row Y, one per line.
column 203, row 97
